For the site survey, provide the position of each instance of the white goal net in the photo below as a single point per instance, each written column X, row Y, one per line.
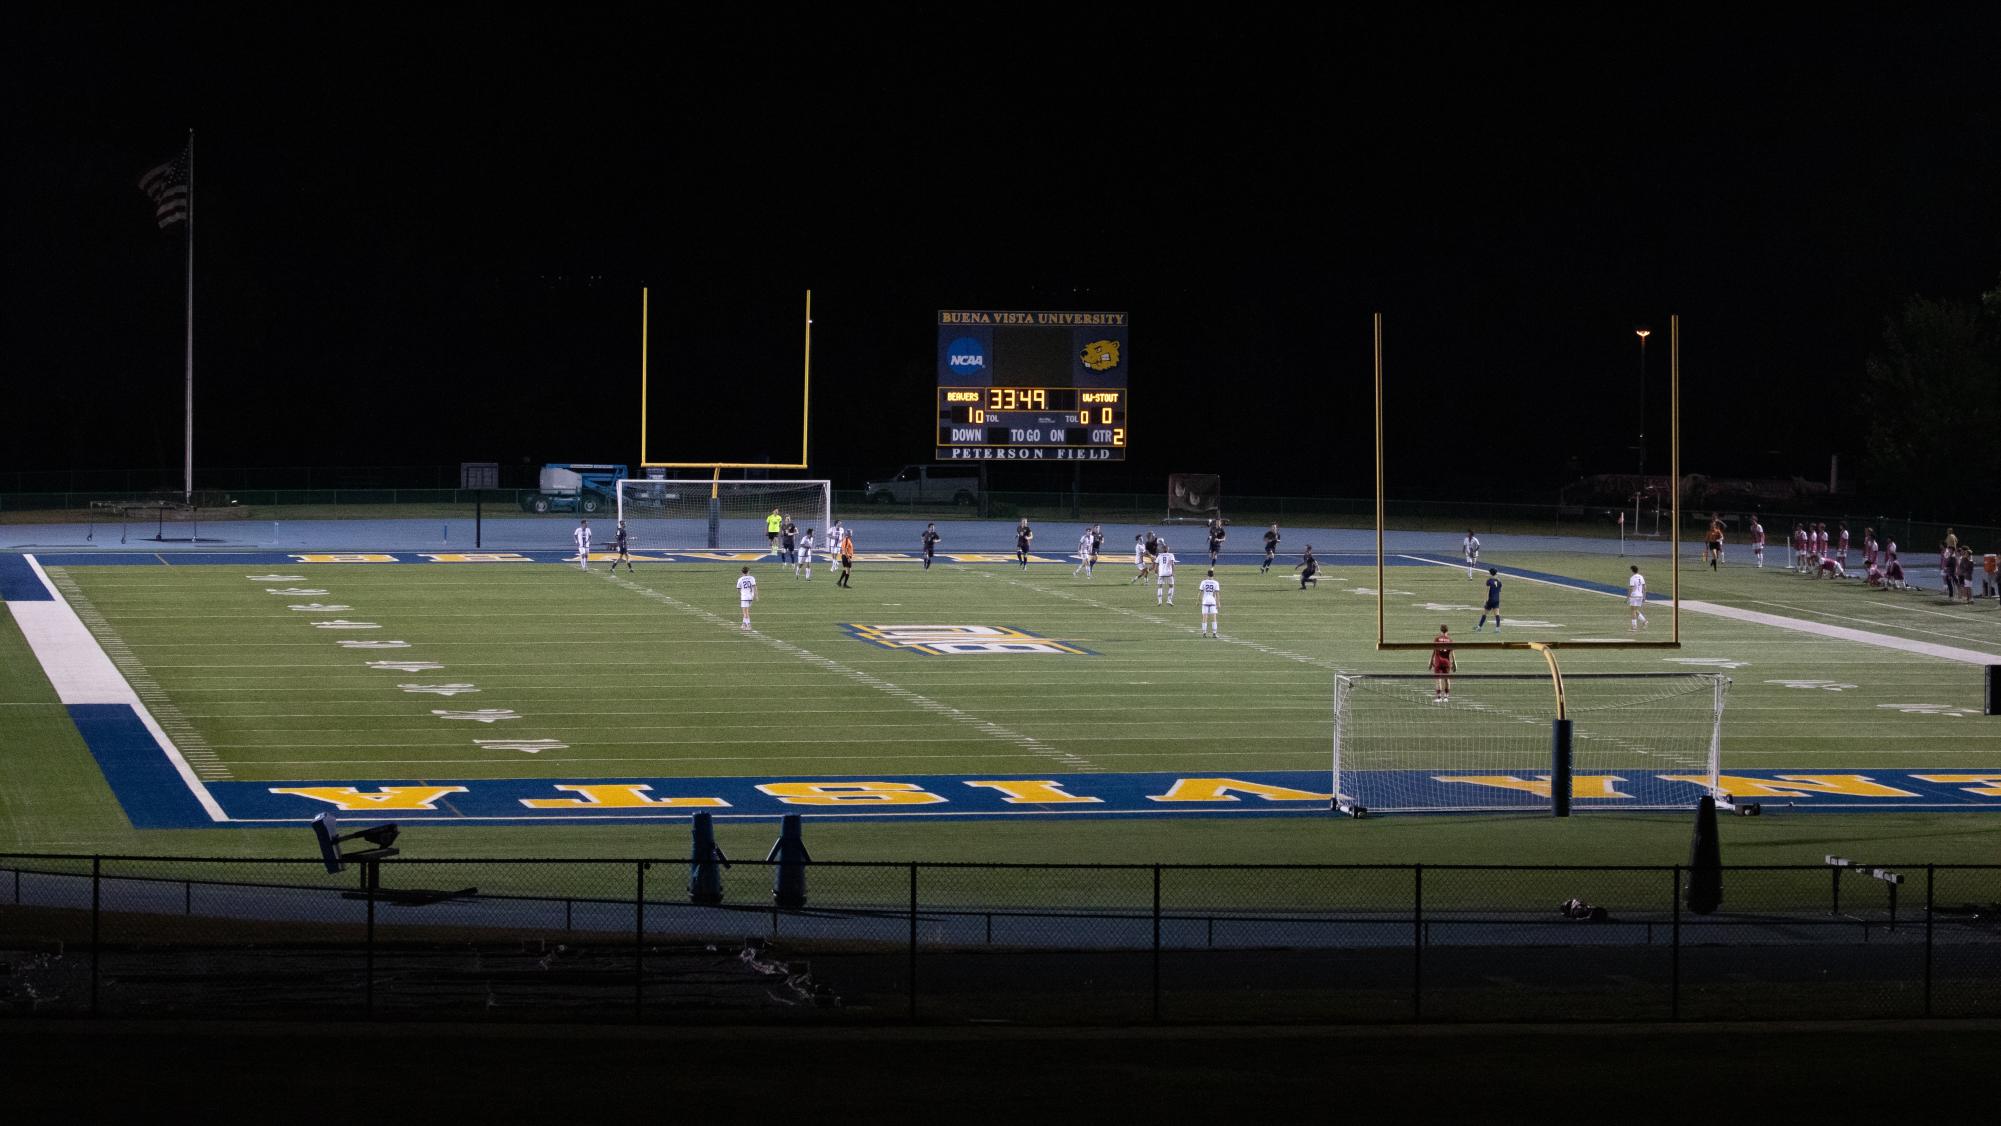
column 1638, row 740
column 663, row 515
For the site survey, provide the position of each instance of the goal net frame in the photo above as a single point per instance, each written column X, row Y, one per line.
column 698, row 515
column 1555, row 769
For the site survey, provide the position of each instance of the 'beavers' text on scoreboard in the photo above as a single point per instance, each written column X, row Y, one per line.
column 1031, row 386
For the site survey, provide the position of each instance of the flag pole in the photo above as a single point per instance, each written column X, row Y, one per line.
column 188, row 464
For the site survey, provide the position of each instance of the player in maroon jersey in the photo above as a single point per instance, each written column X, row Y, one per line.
column 1442, row 665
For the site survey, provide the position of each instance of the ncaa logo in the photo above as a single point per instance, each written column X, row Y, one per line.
column 966, row 354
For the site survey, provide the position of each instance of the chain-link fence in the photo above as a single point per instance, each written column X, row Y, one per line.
column 638, row 940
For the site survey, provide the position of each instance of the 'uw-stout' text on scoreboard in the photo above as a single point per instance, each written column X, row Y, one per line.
column 1031, row 386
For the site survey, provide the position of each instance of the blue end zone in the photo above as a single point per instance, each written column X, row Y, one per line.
column 18, row 581
column 148, row 787
column 157, row 798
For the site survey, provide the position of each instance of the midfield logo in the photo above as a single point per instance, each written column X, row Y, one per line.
column 950, row 641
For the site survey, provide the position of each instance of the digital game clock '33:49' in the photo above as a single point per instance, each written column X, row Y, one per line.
column 1031, row 386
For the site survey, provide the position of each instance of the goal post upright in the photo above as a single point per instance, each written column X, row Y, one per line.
column 646, row 460
column 1562, row 730
column 1382, row 506
column 1673, row 641
column 1674, row 468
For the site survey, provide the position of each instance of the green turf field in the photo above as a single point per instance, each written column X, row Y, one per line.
column 649, row 675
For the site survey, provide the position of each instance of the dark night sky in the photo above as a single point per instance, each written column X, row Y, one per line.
column 422, row 242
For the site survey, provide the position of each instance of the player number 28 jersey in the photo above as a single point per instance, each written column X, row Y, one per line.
column 1210, row 588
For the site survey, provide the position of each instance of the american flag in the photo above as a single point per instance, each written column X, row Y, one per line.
column 167, row 187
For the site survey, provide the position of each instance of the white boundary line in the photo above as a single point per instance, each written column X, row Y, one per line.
column 82, row 673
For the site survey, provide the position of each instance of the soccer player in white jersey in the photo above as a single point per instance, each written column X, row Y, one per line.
column 1472, row 546
column 804, row 567
column 1083, row 555
column 1757, row 541
column 1636, row 597
column 1841, row 543
column 1163, row 576
column 1139, row 560
column 1212, row 605
column 746, row 593
column 583, row 537
column 834, row 543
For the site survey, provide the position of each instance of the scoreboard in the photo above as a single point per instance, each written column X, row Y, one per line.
column 1017, row 386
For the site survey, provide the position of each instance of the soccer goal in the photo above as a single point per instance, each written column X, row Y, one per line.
column 667, row 514
column 1635, row 741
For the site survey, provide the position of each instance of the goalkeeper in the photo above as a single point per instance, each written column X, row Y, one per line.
column 1442, row 665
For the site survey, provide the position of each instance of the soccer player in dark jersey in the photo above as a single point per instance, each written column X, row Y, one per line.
column 1493, row 605
column 1097, row 542
column 1216, row 535
column 790, row 539
column 618, row 544
column 1308, row 567
column 1442, row 666
column 1023, row 536
column 1271, row 547
column 930, row 543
